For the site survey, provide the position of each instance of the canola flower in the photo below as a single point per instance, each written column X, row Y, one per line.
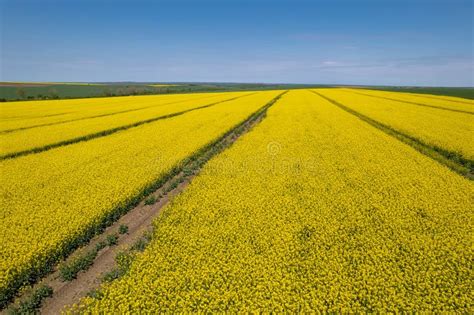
column 444, row 102
column 313, row 210
column 451, row 131
column 51, row 199
column 26, row 114
column 28, row 139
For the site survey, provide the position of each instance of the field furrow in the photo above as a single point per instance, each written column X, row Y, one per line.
column 413, row 100
column 36, row 114
column 443, row 130
column 160, row 103
column 46, row 138
column 442, row 98
column 55, row 200
column 431, row 99
column 313, row 210
column 457, row 164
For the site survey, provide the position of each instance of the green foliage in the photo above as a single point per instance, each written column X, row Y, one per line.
column 112, row 240
column 141, row 243
column 150, row 200
column 100, row 245
column 69, row 271
column 123, row 261
column 96, row 294
column 33, row 302
column 123, row 229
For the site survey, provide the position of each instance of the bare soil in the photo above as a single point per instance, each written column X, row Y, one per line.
column 139, row 220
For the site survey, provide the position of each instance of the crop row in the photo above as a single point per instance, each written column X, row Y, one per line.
column 442, row 102
column 93, row 111
column 313, row 210
column 20, row 115
column 57, row 199
column 451, row 131
column 31, row 139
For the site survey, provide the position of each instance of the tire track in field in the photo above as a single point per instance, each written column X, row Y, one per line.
column 108, row 132
column 452, row 160
column 33, row 117
column 138, row 216
column 440, row 98
column 96, row 116
column 413, row 103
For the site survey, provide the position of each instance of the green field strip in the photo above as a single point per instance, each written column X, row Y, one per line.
column 452, row 160
column 39, row 271
column 413, row 103
column 96, row 116
column 108, row 132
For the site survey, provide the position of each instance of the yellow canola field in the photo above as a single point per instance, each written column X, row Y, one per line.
column 17, row 115
column 28, row 139
column 445, row 102
column 451, row 131
column 446, row 98
column 313, row 210
column 51, row 198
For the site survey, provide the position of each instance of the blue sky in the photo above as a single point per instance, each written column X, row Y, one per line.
column 418, row 42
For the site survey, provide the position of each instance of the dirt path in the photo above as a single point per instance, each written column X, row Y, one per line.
column 139, row 221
